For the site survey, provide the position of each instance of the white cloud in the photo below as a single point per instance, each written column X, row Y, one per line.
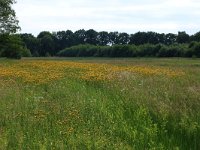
column 113, row 15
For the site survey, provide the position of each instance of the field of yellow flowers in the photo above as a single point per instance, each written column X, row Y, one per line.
column 39, row 72
column 100, row 104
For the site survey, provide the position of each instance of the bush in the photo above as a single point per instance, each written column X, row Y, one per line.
column 120, row 51
column 176, row 50
column 12, row 51
column 146, row 50
column 194, row 47
column 25, row 52
column 79, row 51
column 13, row 47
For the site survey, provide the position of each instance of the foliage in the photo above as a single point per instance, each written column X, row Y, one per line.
column 91, row 37
column 146, row 50
column 195, row 48
column 140, row 44
column 80, row 50
column 183, row 37
column 32, row 43
column 13, row 47
column 196, row 37
column 103, row 38
column 10, row 45
column 8, row 21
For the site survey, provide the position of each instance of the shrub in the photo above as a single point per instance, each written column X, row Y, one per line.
column 146, row 50
column 194, row 47
column 176, row 50
column 12, row 51
column 13, row 47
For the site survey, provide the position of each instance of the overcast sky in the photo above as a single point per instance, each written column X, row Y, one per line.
column 163, row 16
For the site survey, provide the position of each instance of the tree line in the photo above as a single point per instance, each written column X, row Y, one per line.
column 47, row 43
column 53, row 44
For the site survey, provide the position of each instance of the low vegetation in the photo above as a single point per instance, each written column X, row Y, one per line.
column 146, row 50
column 100, row 104
column 12, row 46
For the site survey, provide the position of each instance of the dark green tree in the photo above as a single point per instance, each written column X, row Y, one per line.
column 183, row 37
column 194, row 48
column 152, row 38
column 79, row 37
column 161, row 38
column 196, row 37
column 91, row 37
column 113, row 38
column 8, row 25
column 64, row 39
column 47, row 44
column 44, row 33
column 123, row 38
column 31, row 42
column 170, row 38
column 8, row 21
column 138, row 38
column 14, row 47
column 103, row 38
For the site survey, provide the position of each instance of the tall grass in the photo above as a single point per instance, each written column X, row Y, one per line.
column 135, row 111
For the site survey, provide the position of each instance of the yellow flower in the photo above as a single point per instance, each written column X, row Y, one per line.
column 40, row 72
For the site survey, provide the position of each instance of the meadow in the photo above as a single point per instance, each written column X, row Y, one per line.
column 100, row 103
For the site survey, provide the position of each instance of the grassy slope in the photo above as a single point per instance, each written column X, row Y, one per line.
column 136, row 112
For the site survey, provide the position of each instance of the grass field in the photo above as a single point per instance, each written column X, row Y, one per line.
column 93, row 103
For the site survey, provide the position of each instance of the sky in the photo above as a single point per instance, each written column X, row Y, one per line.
column 131, row 16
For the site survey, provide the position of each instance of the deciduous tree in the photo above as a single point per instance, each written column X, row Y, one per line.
column 8, row 20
